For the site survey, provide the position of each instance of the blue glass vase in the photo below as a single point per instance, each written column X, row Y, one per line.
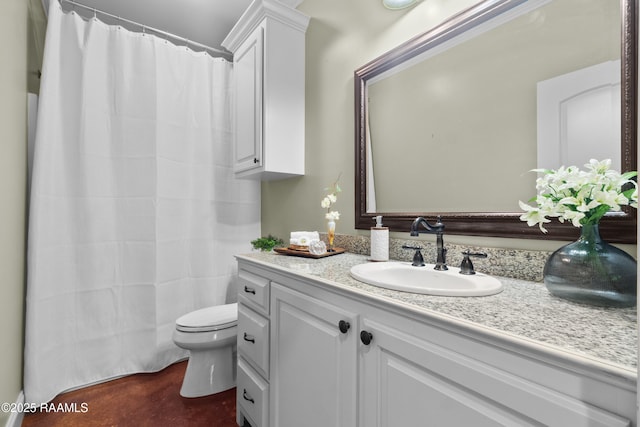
column 591, row 271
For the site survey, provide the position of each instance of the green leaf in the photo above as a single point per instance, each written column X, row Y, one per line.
column 629, row 192
column 630, row 174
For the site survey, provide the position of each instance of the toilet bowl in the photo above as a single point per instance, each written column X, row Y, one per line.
column 210, row 336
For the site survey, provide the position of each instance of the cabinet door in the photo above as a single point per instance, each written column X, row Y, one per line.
column 313, row 364
column 248, row 70
column 408, row 381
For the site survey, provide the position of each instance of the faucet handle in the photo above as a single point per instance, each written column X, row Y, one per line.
column 466, row 266
column 418, row 260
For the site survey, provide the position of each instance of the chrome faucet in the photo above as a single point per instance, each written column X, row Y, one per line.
column 438, row 230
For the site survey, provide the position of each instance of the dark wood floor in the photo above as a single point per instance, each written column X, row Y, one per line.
column 140, row 400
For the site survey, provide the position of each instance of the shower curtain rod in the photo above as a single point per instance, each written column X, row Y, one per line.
column 188, row 43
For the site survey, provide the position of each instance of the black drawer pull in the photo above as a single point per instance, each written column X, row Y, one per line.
column 344, row 326
column 246, row 396
column 249, row 290
column 249, row 338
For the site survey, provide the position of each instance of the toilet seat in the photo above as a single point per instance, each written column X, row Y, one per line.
column 209, row 319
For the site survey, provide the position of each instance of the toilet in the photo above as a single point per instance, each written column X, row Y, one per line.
column 210, row 336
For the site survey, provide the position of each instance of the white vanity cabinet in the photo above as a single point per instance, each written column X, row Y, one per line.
column 268, row 45
column 342, row 357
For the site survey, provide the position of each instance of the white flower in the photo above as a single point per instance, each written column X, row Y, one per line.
column 598, row 167
column 533, row 216
column 330, row 199
column 574, row 216
column 581, row 197
column 333, row 215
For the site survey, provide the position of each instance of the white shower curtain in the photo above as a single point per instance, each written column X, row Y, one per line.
column 135, row 215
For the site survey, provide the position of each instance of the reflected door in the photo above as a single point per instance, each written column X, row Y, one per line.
column 579, row 117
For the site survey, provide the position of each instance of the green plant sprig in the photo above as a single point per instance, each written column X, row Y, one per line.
column 266, row 244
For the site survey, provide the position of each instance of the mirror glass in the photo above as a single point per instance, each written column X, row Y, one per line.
column 473, row 119
column 452, row 122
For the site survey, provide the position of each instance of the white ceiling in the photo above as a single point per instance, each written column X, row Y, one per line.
column 202, row 21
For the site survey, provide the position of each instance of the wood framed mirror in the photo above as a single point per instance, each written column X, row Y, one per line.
column 442, row 161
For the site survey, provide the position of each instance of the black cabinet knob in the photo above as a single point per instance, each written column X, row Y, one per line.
column 255, row 160
column 366, row 337
column 344, row 326
column 249, row 338
column 249, row 290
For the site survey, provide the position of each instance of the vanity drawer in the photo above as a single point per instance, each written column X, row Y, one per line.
column 253, row 338
column 255, row 289
column 252, row 395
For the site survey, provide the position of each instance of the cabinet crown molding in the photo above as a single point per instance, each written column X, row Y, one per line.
column 255, row 14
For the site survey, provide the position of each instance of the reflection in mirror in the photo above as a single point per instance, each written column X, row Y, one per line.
column 579, row 117
column 452, row 121
column 472, row 120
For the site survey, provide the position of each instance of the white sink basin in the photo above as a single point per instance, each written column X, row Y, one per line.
column 402, row 276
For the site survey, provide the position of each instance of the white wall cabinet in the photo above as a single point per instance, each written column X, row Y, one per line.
column 268, row 45
column 342, row 359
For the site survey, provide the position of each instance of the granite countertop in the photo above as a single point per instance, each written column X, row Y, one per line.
column 523, row 309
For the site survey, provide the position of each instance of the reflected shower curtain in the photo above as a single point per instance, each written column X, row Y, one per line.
column 135, row 215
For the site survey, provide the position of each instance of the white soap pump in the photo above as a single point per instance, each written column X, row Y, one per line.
column 379, row 241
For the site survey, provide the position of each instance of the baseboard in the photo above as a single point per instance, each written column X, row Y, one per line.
column 15, row 417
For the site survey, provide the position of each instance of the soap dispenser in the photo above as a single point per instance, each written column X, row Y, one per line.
column 379, row 241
